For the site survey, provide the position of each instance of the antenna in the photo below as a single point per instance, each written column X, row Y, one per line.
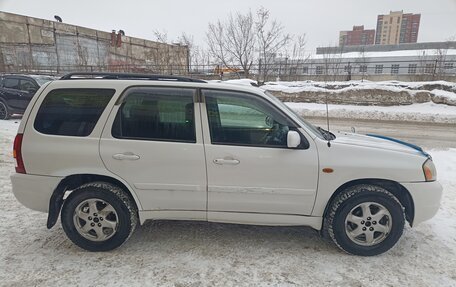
column 327, row 109
column 327, row 118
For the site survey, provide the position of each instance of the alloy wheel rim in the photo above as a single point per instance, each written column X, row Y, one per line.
column 368, row 223
column 95, row 219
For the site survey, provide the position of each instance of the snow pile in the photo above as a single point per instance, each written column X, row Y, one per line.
column 334, row 87
column 340, row 87
column 387, row 93
column 444, row 97
column 426, row 112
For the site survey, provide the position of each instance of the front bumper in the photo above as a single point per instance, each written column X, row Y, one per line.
column 34, row 191
column 426, row 199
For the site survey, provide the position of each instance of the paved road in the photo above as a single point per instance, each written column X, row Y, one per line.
column 427, row 135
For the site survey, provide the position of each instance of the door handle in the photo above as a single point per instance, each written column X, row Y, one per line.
column 126, row 156
column 230, row 161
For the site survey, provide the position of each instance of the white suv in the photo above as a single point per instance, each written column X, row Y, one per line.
column 108, row 150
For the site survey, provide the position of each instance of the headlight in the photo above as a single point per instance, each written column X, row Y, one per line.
column 430, row 173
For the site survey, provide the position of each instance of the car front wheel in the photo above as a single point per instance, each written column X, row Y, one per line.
column 365, row 220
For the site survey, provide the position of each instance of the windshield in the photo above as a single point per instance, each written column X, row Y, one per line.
column 310, row 126
column 43, row 80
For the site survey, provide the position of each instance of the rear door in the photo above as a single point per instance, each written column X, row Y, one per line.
column 153, row 140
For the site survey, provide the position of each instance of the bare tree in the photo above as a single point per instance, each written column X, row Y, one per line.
column 161, row 36
column 271, row 38
column 441, row 57
column 362, row 63
column 298, row 54
column 83, row 57
column 196, row 55
column 163, row 55
column 232, row 42
column 425, row 68
column 332, row 62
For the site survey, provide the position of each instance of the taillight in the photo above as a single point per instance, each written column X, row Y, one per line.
column 17, row 153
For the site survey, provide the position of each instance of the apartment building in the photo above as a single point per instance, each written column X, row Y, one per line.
column 397, row 28
column 358, row 36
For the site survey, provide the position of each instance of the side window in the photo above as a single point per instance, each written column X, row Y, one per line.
column 161, row 114
column 28, row 85
column 243, row 119
column 11, row 83
column 71, row 112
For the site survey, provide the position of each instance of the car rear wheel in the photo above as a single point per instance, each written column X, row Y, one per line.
column 99, row 216
column 365, row 220
column 4, row 112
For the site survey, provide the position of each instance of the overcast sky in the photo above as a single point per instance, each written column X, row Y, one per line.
column 321, row 20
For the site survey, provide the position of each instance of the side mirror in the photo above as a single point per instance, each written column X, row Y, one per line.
column 293, row 139
column 32, row 90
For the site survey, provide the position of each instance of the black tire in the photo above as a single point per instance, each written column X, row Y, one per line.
column 4, row 111
column 125, row 216
column 351, row 201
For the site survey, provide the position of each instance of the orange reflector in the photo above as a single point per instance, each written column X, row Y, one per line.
column 328, row 170
column 427, row 173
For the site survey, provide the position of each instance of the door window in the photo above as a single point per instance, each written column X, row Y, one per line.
column 11, row 83
column 28, row 86
column 163, row 114
column 243, row 119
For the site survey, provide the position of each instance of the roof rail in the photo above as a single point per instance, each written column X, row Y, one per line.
column 128, row 76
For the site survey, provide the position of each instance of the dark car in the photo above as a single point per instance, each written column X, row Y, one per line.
column 16, row 91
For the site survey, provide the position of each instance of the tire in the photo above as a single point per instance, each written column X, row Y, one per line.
column 108, row 209
column 4, row 111
column 365, row 220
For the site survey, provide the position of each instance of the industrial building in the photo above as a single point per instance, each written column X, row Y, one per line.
column 419, row 61
column 33, row 45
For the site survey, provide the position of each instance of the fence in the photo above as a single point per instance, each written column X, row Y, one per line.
column 410, row 70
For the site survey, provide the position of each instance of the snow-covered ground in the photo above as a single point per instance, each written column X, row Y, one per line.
column 167, row 253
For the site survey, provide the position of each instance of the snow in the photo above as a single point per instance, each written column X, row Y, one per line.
column 247, row 82
column 441, row 98
column 244, row 82
column 339, row 87
column 425, row 112
column 449, row 96
column 168, row 253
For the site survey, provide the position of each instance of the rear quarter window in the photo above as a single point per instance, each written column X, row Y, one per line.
column 71, row 112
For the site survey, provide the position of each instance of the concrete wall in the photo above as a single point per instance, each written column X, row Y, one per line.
column 35, row 45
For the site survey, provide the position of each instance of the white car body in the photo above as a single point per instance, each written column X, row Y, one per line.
column 197, row 181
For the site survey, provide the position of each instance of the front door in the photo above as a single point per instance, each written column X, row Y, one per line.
column 249, row 167
column 155, row 144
